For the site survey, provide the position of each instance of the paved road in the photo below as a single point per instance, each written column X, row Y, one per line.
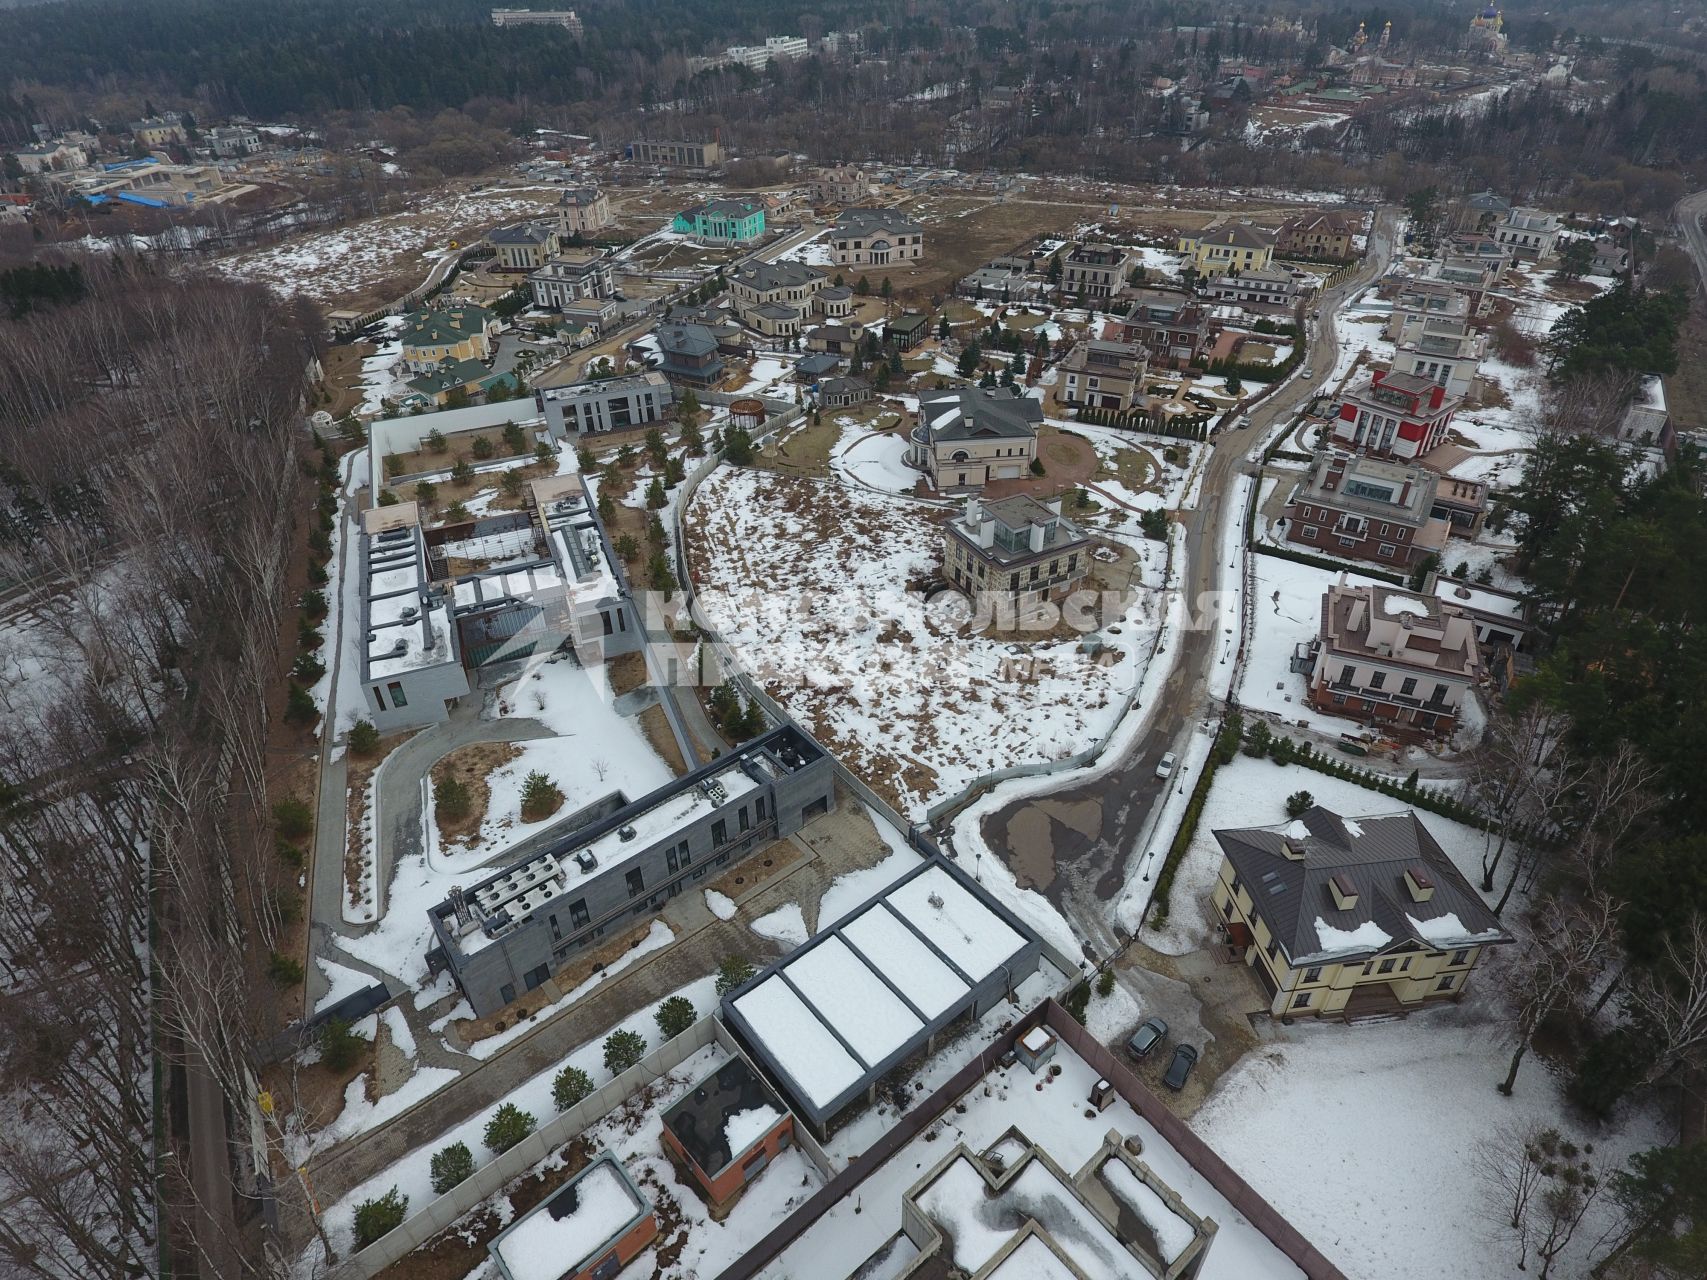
column 210, row 1173
column 1690, row 210
column 1075, row 843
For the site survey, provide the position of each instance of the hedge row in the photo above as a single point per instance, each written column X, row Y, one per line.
column 1226, row 747
column 1251, row 372
column 1194, row 427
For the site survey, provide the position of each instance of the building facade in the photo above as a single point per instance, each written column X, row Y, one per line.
column 677, row 155
column 524, row 246
column 570, row 277
column 1271, row 287
column 565, row 18
column 1350, row 917
column 969, row 436
column 1017, row 549
column 839, row 185
column 608, row 404
column 1395, row 659
column 1103, row 374
column 1528, row 233
column 1395, row 415
column 618, row 861
column 1175, row 329
column 1323, row 235
column 875, row 238
column 1362, row 508
column 230, row 141
column 722, row 222
column 1096, row 270
column 775, row 297
column 1240, row 247
column 1442, row 350
column 582, row 211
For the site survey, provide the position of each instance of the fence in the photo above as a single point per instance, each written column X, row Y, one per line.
column 491, row 1178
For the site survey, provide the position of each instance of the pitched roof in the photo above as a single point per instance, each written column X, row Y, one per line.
column 440, row 328
column 576, row 196
column 721, row 208
column 1369, row 856
column 1238, row 236
column 686, row 340
column 522, row 233
column 976, row 413
column 457, row 373
column 765, row 276
column 864, row 221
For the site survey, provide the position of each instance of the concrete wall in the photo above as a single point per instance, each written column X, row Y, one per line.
column 427, row 691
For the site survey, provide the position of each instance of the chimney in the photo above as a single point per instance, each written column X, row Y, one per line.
column 1345, row 893
column 974, row 513
column 1037, row 535
column 1293, row 849
column 1355, row 615
column 1417, row 881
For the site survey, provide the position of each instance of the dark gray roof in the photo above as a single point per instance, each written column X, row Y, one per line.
column 844, row 386
column 686, row 340
column 858, row 222
column 973, row 413
column 1371, row 856
column 765, row 276
column 579, row 196
column 821, row 362
column 521, row 233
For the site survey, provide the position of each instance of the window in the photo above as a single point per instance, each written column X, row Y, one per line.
column 398, row 697
column 507, row 992
column 671, row 860
column 1308, row 532
column 1378, row 680
column 1387, row 965
column 1313, row 974
column 1386, row 549
column 636, row 883
column 1235, row 889
column 1383, row 531
column 578, row 917
column 742, row 820
column 1301, row 1000
column 1445, row 983
column 1459, row 957
column 1405, row 965
column 535, row 976
column 1273, row 948
column 720, row 832
column 1339, row 699
column 1408, row 686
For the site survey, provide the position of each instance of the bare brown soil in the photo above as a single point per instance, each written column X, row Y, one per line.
column 769, row 863
column 656, row 725
column 471, row 765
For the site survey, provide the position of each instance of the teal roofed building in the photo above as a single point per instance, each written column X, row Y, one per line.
column 722, row 221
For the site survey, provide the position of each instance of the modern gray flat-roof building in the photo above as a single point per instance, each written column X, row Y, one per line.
column 833, row 1018
column 605, row 404
column 411, row 665
column 617, row 861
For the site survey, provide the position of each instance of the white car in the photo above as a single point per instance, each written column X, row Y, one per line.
column 1306, row 375
column 1165, row 767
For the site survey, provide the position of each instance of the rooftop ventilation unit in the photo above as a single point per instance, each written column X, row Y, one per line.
column 411, row 612
column 400, row 648
column 587, row 860
column 626, row 833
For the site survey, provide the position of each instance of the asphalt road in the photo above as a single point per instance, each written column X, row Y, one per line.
column 1690, row 210
column 1077, row 844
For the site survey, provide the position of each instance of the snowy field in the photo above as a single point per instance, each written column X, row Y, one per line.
column 808, row 581
column 1376, row 1112
column 332, row 265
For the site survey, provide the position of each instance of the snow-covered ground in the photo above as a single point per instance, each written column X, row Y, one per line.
column 814, row 252
column 807, row 581
column 1376, row 1114
column 874, row 459
column 1287, row 608
column 331, row 265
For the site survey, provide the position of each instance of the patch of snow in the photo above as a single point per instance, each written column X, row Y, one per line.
column 786, row 925
column 720, row 906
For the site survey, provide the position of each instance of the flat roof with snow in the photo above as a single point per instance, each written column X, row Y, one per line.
column 575, row 1227
column 869, row 991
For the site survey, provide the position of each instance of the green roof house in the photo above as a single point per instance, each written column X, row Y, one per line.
column 722, row 221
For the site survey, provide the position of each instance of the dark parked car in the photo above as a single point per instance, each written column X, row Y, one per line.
column 1147, row 1037
column 1185, row 1058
